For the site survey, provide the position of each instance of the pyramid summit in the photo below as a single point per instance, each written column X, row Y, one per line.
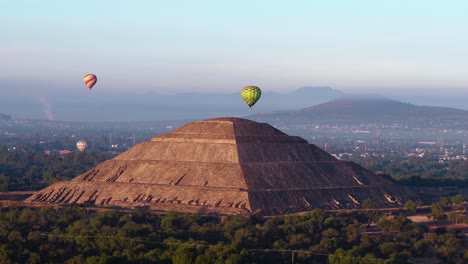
column 228, row 166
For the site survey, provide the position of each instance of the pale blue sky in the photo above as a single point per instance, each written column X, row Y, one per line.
column 353, row 46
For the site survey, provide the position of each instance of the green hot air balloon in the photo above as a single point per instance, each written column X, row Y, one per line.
column 251, row 94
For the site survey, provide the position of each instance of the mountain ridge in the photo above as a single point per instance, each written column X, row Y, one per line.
column 354, row 109
column 99, row 105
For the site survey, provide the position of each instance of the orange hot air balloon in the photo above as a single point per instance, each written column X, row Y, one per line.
column 90, row 80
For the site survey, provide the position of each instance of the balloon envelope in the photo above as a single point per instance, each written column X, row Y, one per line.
column 81, row 145
column 251, row 94
column 90, row 80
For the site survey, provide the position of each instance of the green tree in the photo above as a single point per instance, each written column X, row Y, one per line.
column 388, row 249
column 420, row 247
column 174, row 222
column 411, row 206
column 372, row 215
column 5, row 254
column 457, row 199
column 437, row 211
column 341, row 256
column 34, row 258
column 444, row 201
column 183, row 255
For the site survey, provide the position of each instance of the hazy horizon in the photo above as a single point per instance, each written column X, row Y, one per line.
column 413, row 51
column 121, row 106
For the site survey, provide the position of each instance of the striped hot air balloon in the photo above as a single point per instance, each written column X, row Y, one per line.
column 90, row 80
column 251, row 94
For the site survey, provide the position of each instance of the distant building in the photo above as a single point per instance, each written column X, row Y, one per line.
column 427, row 143
column 64, row 152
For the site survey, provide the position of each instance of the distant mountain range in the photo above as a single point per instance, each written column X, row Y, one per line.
column 315, row 104
column 5, row 117
column 96, row 106
column 345, row 116
column 368, row 109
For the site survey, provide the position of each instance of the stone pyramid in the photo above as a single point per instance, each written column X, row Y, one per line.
column 227, row 166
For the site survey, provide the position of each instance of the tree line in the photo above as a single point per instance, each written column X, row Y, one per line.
column 77, row 235
column 24, row 169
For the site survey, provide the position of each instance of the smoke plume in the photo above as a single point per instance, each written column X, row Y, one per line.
column 47, row 108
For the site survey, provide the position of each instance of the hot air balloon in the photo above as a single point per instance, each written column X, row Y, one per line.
column 81, row 145
column 251, row 94
column 90, row 80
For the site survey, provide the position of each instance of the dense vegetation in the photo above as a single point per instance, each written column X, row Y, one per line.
column 77, row 235
column 23, row 169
